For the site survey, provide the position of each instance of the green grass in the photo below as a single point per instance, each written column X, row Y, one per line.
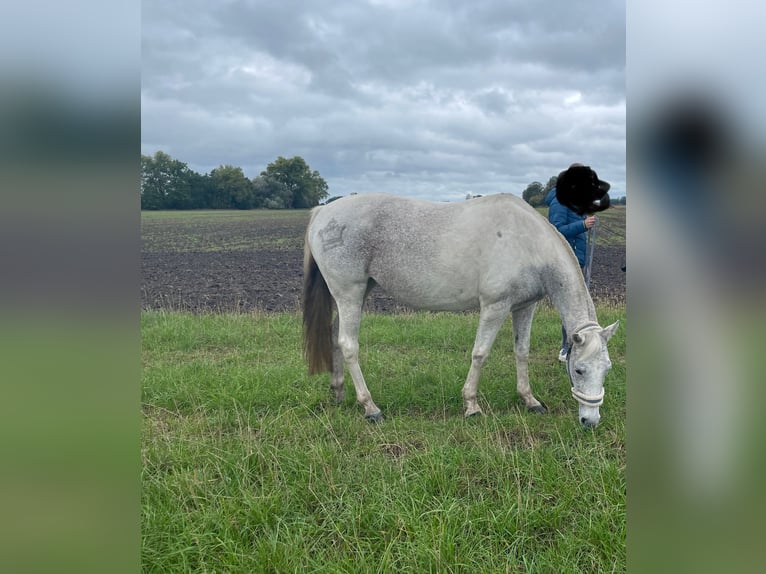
column 249, row 467
column 236, row 230
column 224, row 214
column 223, row 230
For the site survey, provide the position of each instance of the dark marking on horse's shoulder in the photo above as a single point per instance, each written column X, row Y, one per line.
column 499, row 234
column 332, row 235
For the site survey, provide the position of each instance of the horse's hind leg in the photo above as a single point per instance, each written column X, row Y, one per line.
column 349, row 318
column 336, row 378
column 522, row 328
column 491, row 318
column 338, row 367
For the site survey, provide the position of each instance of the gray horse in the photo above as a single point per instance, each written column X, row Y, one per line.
column 494, row 253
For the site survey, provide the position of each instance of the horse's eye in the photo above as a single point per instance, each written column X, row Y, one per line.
column 579, row 371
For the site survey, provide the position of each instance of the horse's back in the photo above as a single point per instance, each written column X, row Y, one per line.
column 429, row 254
column 415, row 219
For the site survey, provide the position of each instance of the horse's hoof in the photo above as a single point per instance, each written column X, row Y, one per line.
column 338, row 395
column 476, row 413
column 375, row 417
column 540, row 409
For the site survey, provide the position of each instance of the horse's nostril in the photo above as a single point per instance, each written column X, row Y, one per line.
column 583, row 420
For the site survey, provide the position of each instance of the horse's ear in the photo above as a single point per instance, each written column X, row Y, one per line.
column 607, row 332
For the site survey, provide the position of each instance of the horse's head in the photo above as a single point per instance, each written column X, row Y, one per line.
column 580, row 189
column 587, row 365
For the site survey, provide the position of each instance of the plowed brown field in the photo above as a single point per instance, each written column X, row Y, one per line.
column 245, row 261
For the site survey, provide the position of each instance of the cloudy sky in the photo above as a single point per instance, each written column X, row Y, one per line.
column 424, row 98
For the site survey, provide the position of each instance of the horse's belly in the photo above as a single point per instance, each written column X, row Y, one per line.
column 432, row 296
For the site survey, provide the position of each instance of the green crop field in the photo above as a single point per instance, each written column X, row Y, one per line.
column 227, row 230
column 248, row 466
column 222, row 230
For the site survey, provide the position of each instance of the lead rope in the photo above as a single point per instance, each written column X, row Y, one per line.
column 591, row 237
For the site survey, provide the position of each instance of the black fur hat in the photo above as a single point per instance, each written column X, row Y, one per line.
column 580, row 189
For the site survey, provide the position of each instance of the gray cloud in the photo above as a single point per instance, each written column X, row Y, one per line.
column 419, row 98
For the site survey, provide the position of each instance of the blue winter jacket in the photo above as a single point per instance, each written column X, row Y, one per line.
column 569, row 224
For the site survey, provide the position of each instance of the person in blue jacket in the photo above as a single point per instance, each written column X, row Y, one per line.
column 574, row 228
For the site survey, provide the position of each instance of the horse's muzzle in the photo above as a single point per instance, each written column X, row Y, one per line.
column 589, row 423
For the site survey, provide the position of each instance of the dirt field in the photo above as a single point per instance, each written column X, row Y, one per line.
column 252, row 260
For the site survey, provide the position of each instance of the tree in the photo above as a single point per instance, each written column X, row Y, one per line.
column 201, row 191
column 232, row 189
column 293, row 184
column 165, row 182
column 534, row 194
column 271, row 193
column 152, row 185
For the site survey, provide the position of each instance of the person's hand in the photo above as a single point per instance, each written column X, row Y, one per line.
column 589, row 221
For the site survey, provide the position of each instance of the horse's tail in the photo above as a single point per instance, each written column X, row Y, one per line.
column 317, row 313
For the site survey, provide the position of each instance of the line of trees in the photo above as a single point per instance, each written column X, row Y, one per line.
column 168, row 183
column 535, row 193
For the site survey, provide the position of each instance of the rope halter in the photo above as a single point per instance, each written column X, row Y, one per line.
column 582, row 398
column 588, row 400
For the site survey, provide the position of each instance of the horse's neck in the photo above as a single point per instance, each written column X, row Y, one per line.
column 570, row 296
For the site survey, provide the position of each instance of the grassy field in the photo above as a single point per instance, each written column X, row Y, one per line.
column 249, row 467
column 223, row 230
column 254, row 215
column 236, row 230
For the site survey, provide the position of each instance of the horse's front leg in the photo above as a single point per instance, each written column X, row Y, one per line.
column 522, row 328
column 491, row 318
